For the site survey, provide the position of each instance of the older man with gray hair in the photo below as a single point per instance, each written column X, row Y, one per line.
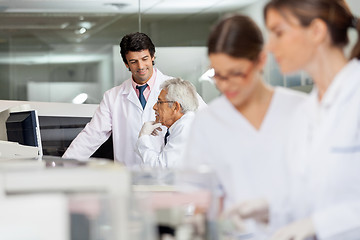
column 174, row 109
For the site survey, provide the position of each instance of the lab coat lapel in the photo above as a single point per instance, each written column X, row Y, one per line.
column 131, row 94
column 132, row 97
column 153, row 94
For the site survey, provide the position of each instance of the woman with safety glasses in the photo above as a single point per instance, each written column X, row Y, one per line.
column 242, row 133
column 324, row 146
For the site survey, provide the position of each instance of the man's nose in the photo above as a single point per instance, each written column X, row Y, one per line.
column 141, row 65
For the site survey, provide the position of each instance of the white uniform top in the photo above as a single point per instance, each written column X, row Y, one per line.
column 249, row 163
column 170, row 155
column 325, row 158
column 121, row 114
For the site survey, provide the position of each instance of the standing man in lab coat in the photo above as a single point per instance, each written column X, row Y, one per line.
column 124, row 108
column 174, row 109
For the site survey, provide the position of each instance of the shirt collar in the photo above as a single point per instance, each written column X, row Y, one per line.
column 188, row 114
column 334, row 90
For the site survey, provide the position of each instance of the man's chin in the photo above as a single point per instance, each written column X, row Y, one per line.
column 140, row 80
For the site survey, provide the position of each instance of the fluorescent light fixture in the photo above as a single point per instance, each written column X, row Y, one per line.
column 85, row 24
column 64, row 25
column 80, row 98
column 56, row 58
column 82, row 30
column 118, row 6
column 208, row 75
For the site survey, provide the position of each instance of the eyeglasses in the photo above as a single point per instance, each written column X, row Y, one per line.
column 160, row 102
column 235, row 75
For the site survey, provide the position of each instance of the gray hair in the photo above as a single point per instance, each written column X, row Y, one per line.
column 183, row 92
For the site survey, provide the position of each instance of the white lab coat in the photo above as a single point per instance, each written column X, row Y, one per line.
column 170, row 155
column 121, row 113
column 249, row 163
column 324, row 158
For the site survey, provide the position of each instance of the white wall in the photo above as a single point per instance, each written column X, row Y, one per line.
column 62, row 91
column 255, row 11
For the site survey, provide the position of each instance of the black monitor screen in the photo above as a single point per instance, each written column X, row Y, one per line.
column 57, row 133
column 21, row 128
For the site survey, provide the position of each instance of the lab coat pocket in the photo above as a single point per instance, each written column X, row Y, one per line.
column 345, row 159
column 343, row 177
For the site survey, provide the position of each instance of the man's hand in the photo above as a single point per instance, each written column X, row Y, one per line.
column 150, row 128
column 300, row 230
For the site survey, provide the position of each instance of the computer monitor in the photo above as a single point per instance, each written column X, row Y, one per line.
column 22, row 127
column 58, row 132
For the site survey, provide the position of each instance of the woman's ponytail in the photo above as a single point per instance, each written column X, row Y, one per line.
column 355, row 53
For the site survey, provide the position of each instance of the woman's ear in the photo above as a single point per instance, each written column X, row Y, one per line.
column 318, row 30
column 262, row 59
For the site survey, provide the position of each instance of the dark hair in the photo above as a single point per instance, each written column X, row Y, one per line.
column 237, row 36
column 335, row 13
column 136, row 42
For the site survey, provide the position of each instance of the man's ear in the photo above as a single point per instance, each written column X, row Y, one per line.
column 127, row 66
column 177, row 107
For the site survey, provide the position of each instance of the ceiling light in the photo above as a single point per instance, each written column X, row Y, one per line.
column 81, row 30
column 80, row 98
column 208, row 75
column 64, row 25
column 85, row 24
column 117, row 5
